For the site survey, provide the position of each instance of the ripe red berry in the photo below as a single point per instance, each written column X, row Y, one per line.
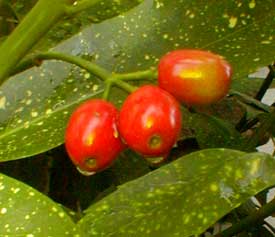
column 194, row 77
column 92, row 140
column 150, row 121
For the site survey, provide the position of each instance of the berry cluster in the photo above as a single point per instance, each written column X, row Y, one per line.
column 149, row 121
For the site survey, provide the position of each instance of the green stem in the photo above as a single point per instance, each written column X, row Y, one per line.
column 26, row 63
column 80, row 6
column 35, row 60
column 122, row 84
column 107, row 90
column 119, row 81
column 83, row 63
column 255, row 218
column 39, row 20
column 139, row 75
column 110, row 79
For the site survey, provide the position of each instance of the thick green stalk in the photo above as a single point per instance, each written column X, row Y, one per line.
column 139, row 75
column 39, row 20
column 123, row 85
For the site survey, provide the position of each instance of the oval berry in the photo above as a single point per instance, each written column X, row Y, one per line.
column 92, row 140
column 150, row 121
column 194, row 77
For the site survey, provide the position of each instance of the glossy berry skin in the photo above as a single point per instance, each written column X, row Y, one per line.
column 194, row 77
column 150, row 121
column 92, row 140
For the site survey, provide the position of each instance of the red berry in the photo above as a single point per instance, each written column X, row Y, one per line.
column 92, row 140
column 194, row 77
column 150, row 121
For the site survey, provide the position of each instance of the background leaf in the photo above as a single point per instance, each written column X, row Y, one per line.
column 105, row 9
column 249, row 86
column 261, row 132
column 26, row 212
column 212, row 132
column 35, row 105
column 8, row 18
column 182, row 198
column 69, row 26
column 128, row 166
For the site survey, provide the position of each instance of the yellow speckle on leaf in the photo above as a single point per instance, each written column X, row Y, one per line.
column 238, row 174
column 95, row 87
column 265, row 42
column 252, row 4
column 232, row 22
column 3, row 210
column 159, row 4
column 192, row 15
column 54, row 209
column 165, row 36
column 214, row 187
column 49, row 111
column 3, row 102
column 147, row 57
column 186, row 220
column 254, row 167
column 29, row 93
column 61, row 214
column 34, row 114
column 28, row 102
column 87, row 75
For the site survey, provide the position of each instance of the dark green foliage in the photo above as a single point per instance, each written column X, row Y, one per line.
column 131, row 198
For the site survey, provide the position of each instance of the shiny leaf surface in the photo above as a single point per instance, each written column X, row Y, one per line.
column 26, row 212
column 182, row 198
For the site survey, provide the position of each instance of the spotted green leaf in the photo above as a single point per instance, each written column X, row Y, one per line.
column 35, row 105
column 183, row 198
column 105, row 9
column 127, row 167
column 26, row 212
column 67, row 27
column 102, row 10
